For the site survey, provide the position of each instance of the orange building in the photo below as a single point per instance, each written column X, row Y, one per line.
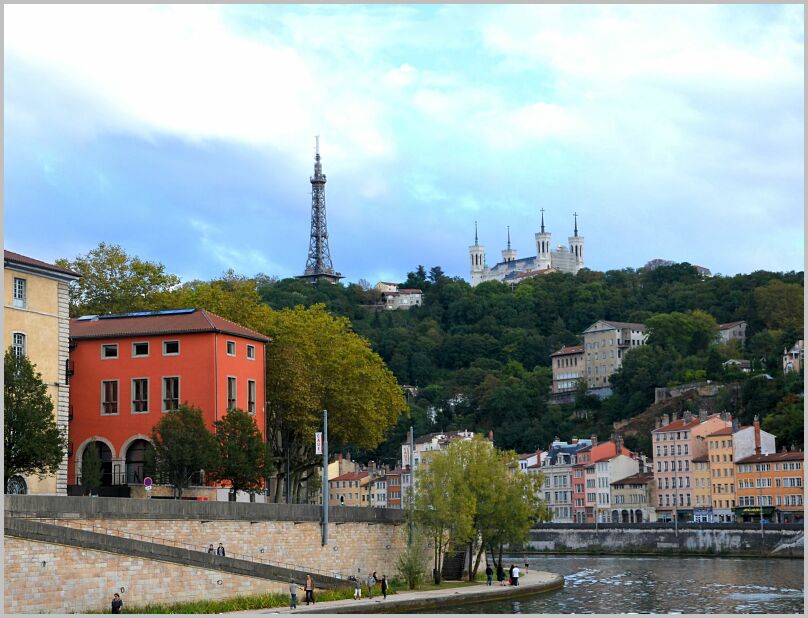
column 348, row 489
column 129, row 369
column 720, row 451
column 771, row 484
column 702, row 489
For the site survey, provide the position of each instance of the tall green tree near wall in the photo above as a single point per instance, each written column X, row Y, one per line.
column 91, row 469
column 32, row 442
column 243, row 457
column 183, row 447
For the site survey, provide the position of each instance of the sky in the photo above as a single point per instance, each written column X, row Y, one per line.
column 186, row 133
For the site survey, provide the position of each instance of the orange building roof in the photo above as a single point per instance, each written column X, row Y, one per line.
column 350, row 476
column 607, row 450
column 18, row 258
column 570, row 349
column 678, row 425
column 724, row 431
column 787, row 456
column 173, row 322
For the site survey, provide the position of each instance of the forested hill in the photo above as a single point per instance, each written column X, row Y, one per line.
column 480, row 357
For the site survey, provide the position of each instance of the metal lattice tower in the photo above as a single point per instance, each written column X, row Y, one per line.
column 318, row 263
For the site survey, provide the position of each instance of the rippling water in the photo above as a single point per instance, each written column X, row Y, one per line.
column 621, row 584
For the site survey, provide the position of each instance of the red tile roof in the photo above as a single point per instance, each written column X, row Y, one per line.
column 410, row 291
column 724, row 431
column 677, row 425
column 729, row 325
column 607, row 450
column 158, row 323
column 350, row 476
column 17, row 258
column 787, row 456
column 571, row 349
column 636, row 479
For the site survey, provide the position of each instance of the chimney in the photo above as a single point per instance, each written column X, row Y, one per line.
column 490, row 436
column 735, row 426
column 666, row 420
column 348, row 456
column 574, row 439
column 339, row 457
column 757, row 435
column 618, row 443
column 657, row 423
column 687, row 416
column 702, row 415
column 594, row 439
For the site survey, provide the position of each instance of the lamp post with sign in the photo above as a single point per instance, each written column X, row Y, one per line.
column 321, row 442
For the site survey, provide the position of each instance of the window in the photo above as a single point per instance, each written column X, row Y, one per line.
column 251, row 352
column 251, row 396
column 109, row 397
column 109, row 350
column 231, row 393
column 171, row 348
column 18, row 344
column 140, row 395
column 171, row 393
column 19, row 292
column 231, row 348
column 140, row 349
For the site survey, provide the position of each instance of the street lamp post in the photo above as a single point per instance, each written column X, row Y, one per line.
column 325, row 477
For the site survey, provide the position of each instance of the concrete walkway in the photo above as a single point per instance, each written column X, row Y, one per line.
column 534, row 582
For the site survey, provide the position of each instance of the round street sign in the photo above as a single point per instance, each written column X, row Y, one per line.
column 147, row 481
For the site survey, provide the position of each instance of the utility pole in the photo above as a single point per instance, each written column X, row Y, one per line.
column 325, row 477
column 412, row 479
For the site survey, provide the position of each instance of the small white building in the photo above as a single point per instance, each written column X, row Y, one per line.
column 393, row 297
column 794, row 358
column 732, row 330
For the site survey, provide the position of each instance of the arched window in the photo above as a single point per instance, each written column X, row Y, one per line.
column 105, row 455
column 136, row 460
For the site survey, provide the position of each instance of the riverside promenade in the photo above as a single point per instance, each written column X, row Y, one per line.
column 535, row 582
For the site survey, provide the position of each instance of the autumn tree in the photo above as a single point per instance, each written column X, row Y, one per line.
column 183, row 447
column 318, row 363
column 243, row 457
column 114, row 282
column 32, row 441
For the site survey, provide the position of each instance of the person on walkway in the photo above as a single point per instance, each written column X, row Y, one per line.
column 525, row 566
column 489, row 575
column 117, row 603
column 515, row 575
column 510, row 575
column 500, row 574
column 371, row 583
column 210, row 549
column 357, row 587
column 384, row 585
column 293, row 593
column 309, row 590
column 220, row 550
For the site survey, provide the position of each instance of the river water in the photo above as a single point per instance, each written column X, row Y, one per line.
column 622, row 584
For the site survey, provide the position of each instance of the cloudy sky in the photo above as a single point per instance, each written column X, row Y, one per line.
column 185, row 133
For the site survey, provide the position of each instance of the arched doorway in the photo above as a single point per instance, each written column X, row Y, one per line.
column 105, row 455
column 136, row 460
column 624, row 515
column 615, row 517
column 638, row 516
column 16, row 485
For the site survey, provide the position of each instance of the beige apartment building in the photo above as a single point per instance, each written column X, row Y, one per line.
column 702, row 489
column 605, row 344
column 569, row 368
column 36, row 325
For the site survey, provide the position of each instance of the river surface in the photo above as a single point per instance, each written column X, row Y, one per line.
column 621, row 584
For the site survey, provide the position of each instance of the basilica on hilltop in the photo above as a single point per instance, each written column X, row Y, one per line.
column 513, row 270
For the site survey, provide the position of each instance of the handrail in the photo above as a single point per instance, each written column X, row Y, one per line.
column 190, row 546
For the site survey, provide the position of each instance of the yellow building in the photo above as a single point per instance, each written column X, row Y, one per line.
column 720, row 453
column 37, row 325
column 702, row 489
column 349, row 489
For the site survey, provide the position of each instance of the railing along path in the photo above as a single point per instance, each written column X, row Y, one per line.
column 254, row 557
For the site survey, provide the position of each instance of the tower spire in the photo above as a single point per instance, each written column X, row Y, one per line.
column 476, row 242
column 509, row 238
column 575, row 214
column 542, row 220
column 318, row 264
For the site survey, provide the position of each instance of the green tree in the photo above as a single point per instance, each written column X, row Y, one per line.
column 91, row 470
column 685, row 333
column 183, row 447
column 244, row 459
column 114, row 282
column 411, row 563
column 781, row 305
column 787, row 422
column 32, row 442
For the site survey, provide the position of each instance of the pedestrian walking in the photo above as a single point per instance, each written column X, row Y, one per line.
column 525, row 566
column 384, row 585
column 117, row 603
column 309, row 590
column 371, row 583
column 210, row 549
column 515, row 575
column 357, row 587
column 500, row 574
column 489, row 575
column 510, row 575
column 220, row 550
column 293, row 593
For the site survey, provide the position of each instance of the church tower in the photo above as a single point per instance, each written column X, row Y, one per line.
column 477, row 257
column 509, row 255
column 543, row 247
column 577, row 246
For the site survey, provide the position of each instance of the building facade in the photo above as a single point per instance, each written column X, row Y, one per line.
column 633, row 498
column 394, row 298
column 568, row 368
column 130, row 369
column 349, row 489
column 557, row 468
column 771, row 485
column 794, row 358
column 732, row 331
column 567, row 259
column 702, row 490
column 37, row 325
column 605, row 344
column 607, row 471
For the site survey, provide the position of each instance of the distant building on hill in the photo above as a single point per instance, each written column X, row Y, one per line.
column 794, row 358
column 569, row 367
column 656, row 263
column 605, row 343
column 733, row 331
column 393, row 297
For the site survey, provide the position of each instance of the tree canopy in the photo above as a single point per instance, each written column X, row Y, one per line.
column 244, row 460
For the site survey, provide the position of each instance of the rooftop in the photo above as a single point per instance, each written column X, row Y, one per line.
column 729, row 325
column 678, row 425
column 762, row 458
column 350, row 476
column 636, row 479
column 724, row 431
column 570, row 349
column 168, row 322
column 10, row 257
